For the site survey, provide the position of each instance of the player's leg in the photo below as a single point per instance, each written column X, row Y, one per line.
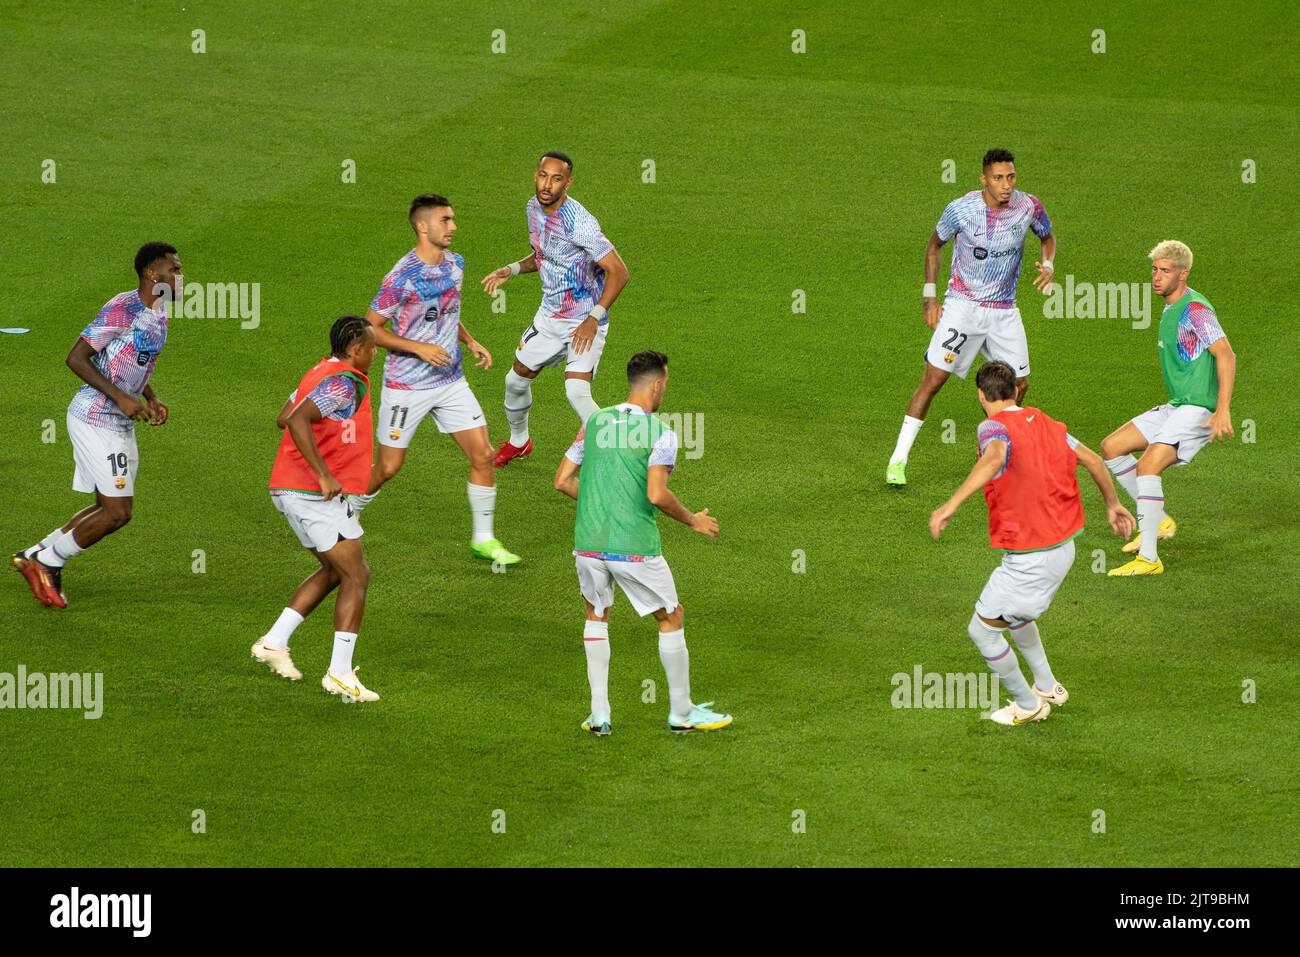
column 54, row 536
column 481, row 490
column 1150, row 510
column 348, row 561
column 595, row 643
column 580, row 370
column 1005, row 341
column 597, row 588
column 538, row 347
column 1040, row 576
column 1001, row 596
column 400, row 413
column 956, row 339
column 1117, row 449
column 272, row 648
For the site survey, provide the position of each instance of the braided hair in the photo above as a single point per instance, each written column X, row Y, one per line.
column 344, row 333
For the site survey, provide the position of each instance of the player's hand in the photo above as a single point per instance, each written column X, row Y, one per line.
column 478, row 352
column 1044, row 278
column 157, row 412
column 704, row 523
column 1220, row 425
column 433, row 354
column 932, row 312
column 134, row 408
column 495, row 279
column 940, row 518
column 1121, row 520
column 584, row 335
column 330, row 486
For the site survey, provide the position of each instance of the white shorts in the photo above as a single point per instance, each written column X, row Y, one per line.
column 105, row 460
column 317, row 523
column 546, row 342
column 966, row 328
column 401, row 411
column 648, row 584
column 1021, row 588
column 1176, row 425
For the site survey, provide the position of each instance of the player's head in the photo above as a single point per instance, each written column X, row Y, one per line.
column 553, row 177
column 352, row 339
column 432, row 218
column 998, row 175
column 159, row 269
column 1170, row 263
column 647, row 376
column 996, row 382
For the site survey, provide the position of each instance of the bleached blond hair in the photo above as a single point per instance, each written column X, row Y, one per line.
column 1176, row 252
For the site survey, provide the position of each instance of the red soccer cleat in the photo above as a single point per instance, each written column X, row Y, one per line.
column 45, row 582
column 508, row 452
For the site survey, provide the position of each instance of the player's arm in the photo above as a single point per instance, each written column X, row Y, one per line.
column 930, row 303
column 1121, row 520
column 80, row 361
column 428, row 351
column 497, row 277
column 299, row 422
column 474, row 348
column 1225, row 364
column 990, row 462
column 1044, row 265
column 616, row 277
column 662, row 498
column 566, row 477
column 157, row 411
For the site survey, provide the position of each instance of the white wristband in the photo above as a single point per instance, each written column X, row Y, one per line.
column 598, row 312
column 1047, row 264
column 928, row 291
column 514, row 269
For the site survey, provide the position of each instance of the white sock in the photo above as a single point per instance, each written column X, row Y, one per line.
column 595, row 641
column 60, row 550
column 677, row 666
column 1124, row 468
column 482, row 503
column 45, row 542
column 1002, row 661
column 519, row 399
column 341, row 660
column 282, row 630
column 360, row 501
column 1030, row 643
column 1151, row 512
column 579, row 393
column 906, row 436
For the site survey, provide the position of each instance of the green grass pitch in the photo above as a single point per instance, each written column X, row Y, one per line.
column 774, row 171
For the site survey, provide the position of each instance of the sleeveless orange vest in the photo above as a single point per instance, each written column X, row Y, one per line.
column 1035, row 502
column 346, row 445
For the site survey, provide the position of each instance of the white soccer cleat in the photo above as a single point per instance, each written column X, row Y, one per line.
column 1013, row 715
column 277, row 659
column 347, row 687
column 1056, row 697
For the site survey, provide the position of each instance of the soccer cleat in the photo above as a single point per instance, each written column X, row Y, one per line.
column 1164, row 530
column 896, row 473
column 600, row 728
column 1139, row 566
column 701, row 718
column 1013, row 715
column 1056, row 697
column 349, row 687
column 509, row 452
column 492, row 550
column 277, row 659
column 45, row 582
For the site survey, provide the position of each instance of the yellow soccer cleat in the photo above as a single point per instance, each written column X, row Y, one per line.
column 1139, row 566
column 1164, row 530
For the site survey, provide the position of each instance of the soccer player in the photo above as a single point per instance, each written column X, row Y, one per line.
column 423, row 374
column 115, row 356
column 581, row 274
column 325, row 452
column 979, row 313
column 1026, row 467
column 626, row 453
column 1199, row 369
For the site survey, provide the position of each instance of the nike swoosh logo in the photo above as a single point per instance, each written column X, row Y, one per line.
column 1030, row 419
